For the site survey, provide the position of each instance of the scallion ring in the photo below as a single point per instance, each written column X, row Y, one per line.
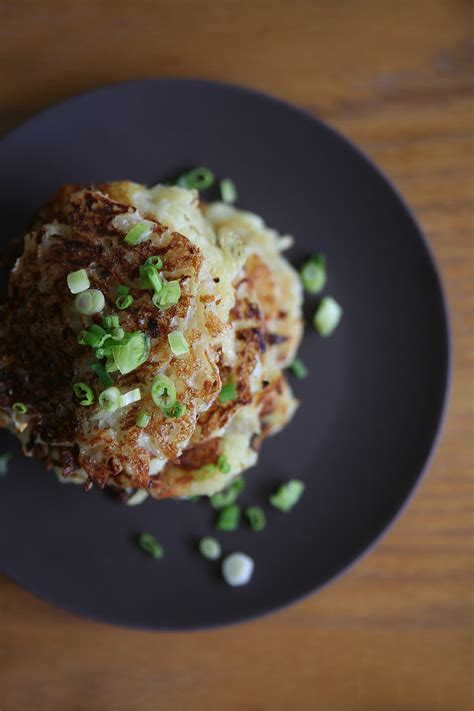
column 143, row 418
column 139, row 233
column 89, row 302
column 78, row 281
column 132, row 352
column 154, row 261
column 82, row 390
column 168, row 295
column 178, row 343
column 228, row 191
column 20, row 408
column 199, row 178
column 109, row 399
column 124, row 301
column 130, row 397
column 163, row 391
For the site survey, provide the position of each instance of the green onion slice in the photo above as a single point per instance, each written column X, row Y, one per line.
column 100, row 371
column 20, row 408
column 223, row 464
column 163, row 391
column 109, row 400
column 124, row 301
column 228, row 393
column 199, row 178
column 205, row 472
column 4, row 459
column 287, row 495
column 139, row 233
column 175, row 411
column 256, row 518
column 299, row 369
column 228, row 518
column 150, row 545
column 168, row 296
column 229, row 495
column 178, row 343
column 150, row 277
column 327, row 316
column 154, row 261
column 82, row 390
column 78, row 281
column 143, row 418
column 210, row 548
column 313, row 274
column 110, row 322
column 89, row 302
column 132, row 352
column 130, row 397
column 228, row 191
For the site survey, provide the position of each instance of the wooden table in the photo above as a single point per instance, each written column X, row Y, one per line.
column 396, row 633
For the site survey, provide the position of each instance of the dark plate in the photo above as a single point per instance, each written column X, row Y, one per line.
column 371, row 408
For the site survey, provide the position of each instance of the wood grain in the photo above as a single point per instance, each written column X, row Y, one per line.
column 396, row 633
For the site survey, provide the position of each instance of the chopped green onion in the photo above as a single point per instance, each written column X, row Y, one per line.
column 110, row 366
column 163, row 391
column 199, row 178
column 228, row 518
column 327, row 316
column 110, row 322
column 223, row 464
column 4, row 459
column 150, row 545
column 82, row 390
column 118, row 334
column 124, row 301
column 143, row 419
column 20, row 408
column 256, row 517
column 89, row 302
column 229, row 495
column 150, row 277
column 175, row 411
column 123, row 290
column 287, row 495
column 205, row 472
column 178, row 343
column 313, row 274
column 137, row 498
column 210, row 548
column 144, row 281
column 109, row 399
column 94, row 337
column 78, row 281
column 228, row 190
column 168, row 296
column 154, row 261
column 299, row 369
column 139, row 233
column 228, row 393
column 102, row 374
column 131, row 353
column 130, row 397
column 237, row 569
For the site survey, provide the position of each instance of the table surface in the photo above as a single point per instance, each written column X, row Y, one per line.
column 396, row 632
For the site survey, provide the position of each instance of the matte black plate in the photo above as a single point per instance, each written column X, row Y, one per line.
column 370, row 410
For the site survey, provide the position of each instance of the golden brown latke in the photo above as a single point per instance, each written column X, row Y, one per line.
column 240, row 311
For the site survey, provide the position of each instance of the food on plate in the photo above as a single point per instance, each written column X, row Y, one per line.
column 145, row 336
